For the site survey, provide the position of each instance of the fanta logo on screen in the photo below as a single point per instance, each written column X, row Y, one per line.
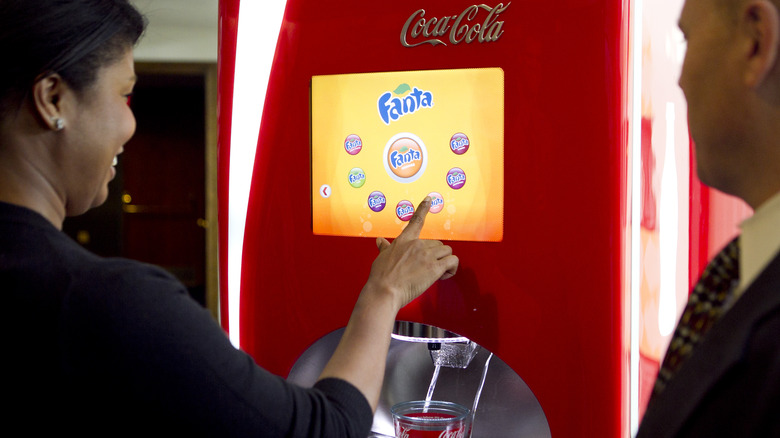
column 393, row 108
column 404, row 210
column 398, row 159
column 357, row 177
column 353, row 144
column 405, row 157
column 377, row 201
column 354, row 179
column 456, row 178
column 459, row 143
column 437, row 202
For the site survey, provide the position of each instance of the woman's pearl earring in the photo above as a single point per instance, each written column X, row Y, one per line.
column 59, row 124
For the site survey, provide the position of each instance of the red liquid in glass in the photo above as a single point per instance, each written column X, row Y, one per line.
column 452, row 430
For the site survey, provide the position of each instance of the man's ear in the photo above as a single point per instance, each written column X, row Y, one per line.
column 760, row 23
column 48, row 93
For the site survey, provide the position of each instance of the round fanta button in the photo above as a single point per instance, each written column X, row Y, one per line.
column 404, row 210
column 437, row 202
column 459, row 143
column 405, row 157
column 357, row 177
column 456, row 178
column 377, row 201
column 353, row 144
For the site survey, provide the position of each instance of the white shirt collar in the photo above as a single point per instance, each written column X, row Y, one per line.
column 759, row 241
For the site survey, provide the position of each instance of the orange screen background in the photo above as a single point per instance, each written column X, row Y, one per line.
column 468, row 101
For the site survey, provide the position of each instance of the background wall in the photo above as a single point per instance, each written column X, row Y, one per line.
column 181, row 42
column 179, row 31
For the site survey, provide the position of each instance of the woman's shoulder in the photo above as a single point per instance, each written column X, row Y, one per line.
column 120, row 274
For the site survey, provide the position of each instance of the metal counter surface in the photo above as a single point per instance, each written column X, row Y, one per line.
column 507, row 407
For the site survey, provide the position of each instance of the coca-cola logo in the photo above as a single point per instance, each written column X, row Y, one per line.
column 402, row 432
column 469, row 26
column 459, row 433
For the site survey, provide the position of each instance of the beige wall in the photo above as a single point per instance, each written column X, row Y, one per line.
column 182, row 31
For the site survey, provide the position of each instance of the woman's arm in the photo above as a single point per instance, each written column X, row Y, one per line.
column 402, row 272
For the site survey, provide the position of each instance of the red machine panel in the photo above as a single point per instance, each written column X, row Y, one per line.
column 549, row 297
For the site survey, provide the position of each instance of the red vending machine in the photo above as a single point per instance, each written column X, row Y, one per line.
column 513, row 117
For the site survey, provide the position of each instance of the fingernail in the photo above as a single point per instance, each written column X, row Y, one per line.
column 427, row 199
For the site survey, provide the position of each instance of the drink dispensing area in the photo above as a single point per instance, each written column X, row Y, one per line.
column 540, row 130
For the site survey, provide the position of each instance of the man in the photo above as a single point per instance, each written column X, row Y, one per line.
column 721, row 377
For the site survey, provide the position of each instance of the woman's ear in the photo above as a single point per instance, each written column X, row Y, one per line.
column 48, row 94
column 761, row 25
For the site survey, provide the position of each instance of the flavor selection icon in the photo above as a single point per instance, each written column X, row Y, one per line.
column 377, row 201
column 459, row 143
column 404, row 210
column 357, row 177
column 437, row 202
column 406, row 157
column 353, row 144
column 456, row 178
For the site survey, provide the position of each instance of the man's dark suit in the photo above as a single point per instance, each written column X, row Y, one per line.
column 730, row 385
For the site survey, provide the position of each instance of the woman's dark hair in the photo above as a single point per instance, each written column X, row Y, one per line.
column 73, row 38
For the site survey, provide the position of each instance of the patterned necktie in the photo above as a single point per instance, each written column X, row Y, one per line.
column 711, row 295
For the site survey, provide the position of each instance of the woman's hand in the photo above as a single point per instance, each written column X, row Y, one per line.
column 409, row 266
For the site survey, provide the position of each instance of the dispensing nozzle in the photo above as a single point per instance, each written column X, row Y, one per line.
column 446, row 348
column 454, row 354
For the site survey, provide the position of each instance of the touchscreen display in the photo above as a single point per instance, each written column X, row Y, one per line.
column 381, row 142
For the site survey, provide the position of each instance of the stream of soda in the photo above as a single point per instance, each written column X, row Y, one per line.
column 431, row 388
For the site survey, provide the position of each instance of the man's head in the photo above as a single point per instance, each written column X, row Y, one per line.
column 731, row 81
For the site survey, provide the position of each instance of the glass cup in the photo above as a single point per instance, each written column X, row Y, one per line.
column 434, row 419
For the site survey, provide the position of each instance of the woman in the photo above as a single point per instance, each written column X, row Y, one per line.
column 115, row 347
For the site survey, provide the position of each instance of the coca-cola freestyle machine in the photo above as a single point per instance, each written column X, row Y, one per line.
column 513, row 117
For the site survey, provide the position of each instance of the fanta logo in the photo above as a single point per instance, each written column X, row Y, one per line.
column 399, row 159
column 353, row 144
column 405, row 157
column 459, row 143
column 455, row 178
column 437, row 202
column 356, row 177
column 377, row 201
column 405, row 210
column 393, row 108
